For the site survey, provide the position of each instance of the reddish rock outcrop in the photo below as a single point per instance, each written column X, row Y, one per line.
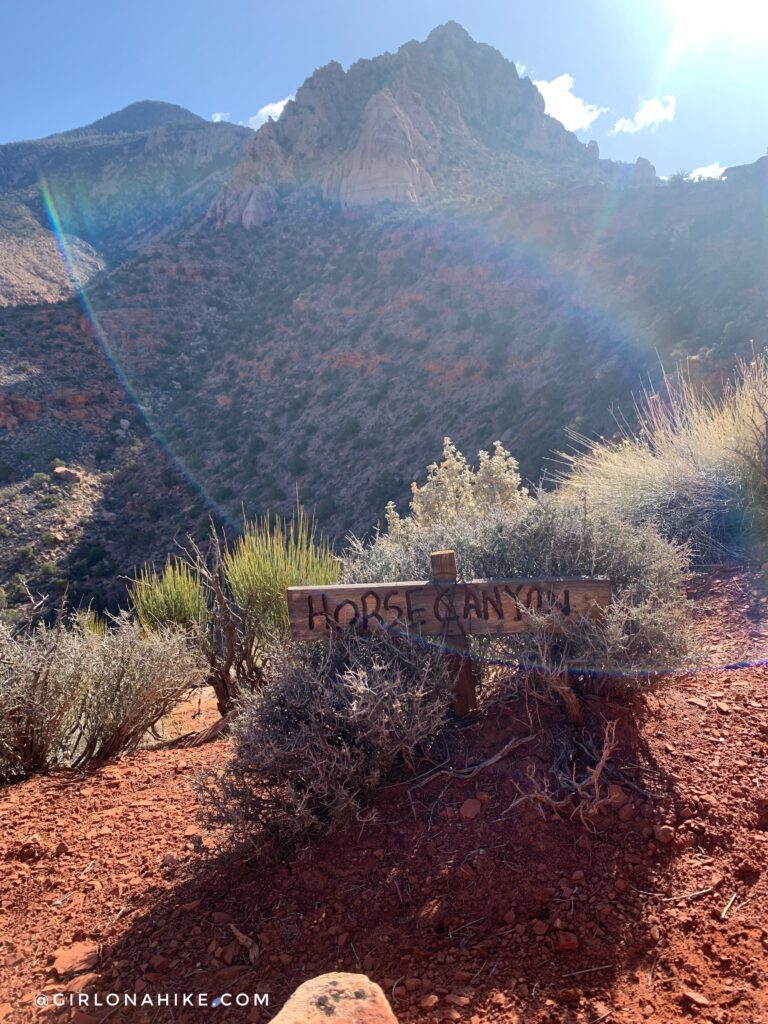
column 343, row 998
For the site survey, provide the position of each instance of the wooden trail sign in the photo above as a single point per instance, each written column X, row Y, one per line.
column 445, row 607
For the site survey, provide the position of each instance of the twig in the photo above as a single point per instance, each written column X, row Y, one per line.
column 453, row 931
column 587, row 970
column 688, row 895
column 727, row 907
column 401, row 978
column 471, row 771
column 604, row 1016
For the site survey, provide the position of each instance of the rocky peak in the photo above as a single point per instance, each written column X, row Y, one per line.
column 446, row 116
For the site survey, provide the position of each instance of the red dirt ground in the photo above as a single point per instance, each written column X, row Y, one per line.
column 510, row 916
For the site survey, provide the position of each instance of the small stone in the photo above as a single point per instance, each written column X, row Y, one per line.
column 578, row 876
column 540, row 927
column 566, row 942
column 569, row 995
column 429, row 1002
column 221, row 917
column 169, row 860
column 80, row 956
column 411, row 984
column 470, row 809
column 510, row 917
column 456, row 1000
column 65, row 473
column 627, row 812
column 81, row 982
column 664, row 834
column 723, row 708
column 695, row 997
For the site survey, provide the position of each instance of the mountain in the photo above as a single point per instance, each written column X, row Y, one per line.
column 113, row 185
column 413, row 249
column 444, row 119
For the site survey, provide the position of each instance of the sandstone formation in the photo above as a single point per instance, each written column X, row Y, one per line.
column 340, row 998
column 439, row 118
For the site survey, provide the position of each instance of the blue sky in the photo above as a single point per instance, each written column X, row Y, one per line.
column 682, row 82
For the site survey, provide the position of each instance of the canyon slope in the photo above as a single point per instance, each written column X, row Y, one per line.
column 413, row 249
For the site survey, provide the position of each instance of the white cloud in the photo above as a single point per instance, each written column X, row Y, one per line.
column 520, row 68
column 268, row 110
column 708, row 171
column 220, row 116
column 572, row 111
column 650, row 114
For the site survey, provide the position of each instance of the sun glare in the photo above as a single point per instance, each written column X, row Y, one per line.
column 698, row 23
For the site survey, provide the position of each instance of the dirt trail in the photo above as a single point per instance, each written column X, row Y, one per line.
column 462, row 908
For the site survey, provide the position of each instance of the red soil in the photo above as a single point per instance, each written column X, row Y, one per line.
column 508, row 916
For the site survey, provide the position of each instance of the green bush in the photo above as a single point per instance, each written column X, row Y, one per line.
column 72, row 695
column 330, row 725
column 268, row 558
column 233, row 597
column 173, row 597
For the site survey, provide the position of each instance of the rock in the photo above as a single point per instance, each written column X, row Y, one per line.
column 540, row 928
column 81, row 956
column 569, row 995
column 695, row 997
column 664, row 834
column 643, row 173
column 470, row 809
column 70, row 475
column 387, row 163
column 456, row 1000
column 342, row 998
column 82, row 982
column 566, row 942
column 429, row 1002
column 125, row 424
column 627, row 812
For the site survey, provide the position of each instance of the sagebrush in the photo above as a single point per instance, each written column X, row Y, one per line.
column 546, row 534
column 71, row 695
column 313, row 744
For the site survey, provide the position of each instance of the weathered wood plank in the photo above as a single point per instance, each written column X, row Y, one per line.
column 476, row 608
column 443, row 565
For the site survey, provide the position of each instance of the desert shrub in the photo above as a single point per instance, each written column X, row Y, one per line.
column 172, row 597
column 271, row 556
column 234, row 596
column 71, row 694
column 696, row 468
column 332, row 723
column 499, row 530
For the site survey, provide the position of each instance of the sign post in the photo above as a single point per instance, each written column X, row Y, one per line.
column 444, row 571
column 446, row 607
